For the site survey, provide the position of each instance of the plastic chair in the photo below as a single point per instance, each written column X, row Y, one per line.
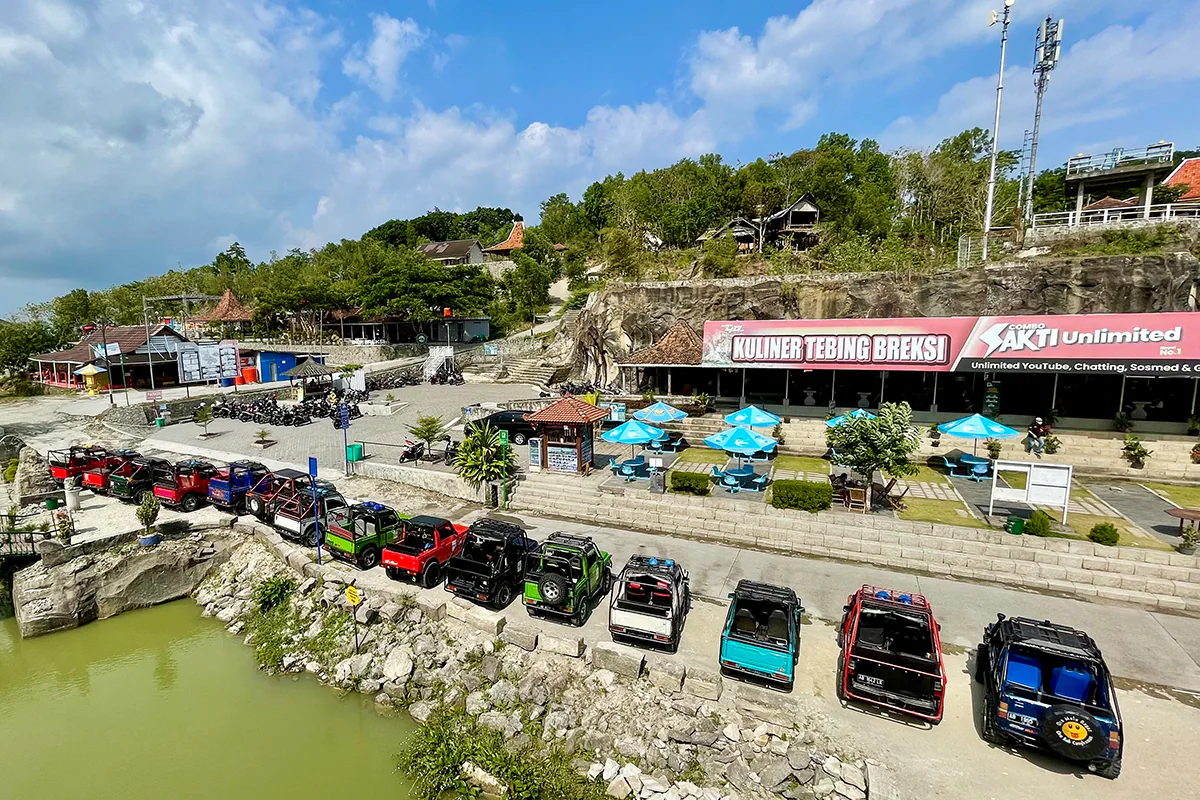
column 952, row 467
column 979, row 472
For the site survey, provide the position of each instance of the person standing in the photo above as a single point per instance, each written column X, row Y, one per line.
column 1037, row 437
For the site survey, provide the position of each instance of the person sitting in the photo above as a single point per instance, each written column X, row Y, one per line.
column 1036, row 440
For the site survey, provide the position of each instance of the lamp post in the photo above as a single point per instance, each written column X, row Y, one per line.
column 991, row 186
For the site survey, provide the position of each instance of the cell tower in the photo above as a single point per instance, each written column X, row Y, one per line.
column 1045, row 59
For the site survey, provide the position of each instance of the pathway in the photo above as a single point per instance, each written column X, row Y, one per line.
column 1145, row 508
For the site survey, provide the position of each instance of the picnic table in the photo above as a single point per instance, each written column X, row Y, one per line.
column 737, row 479
column 967, row 459
column 1184, row 515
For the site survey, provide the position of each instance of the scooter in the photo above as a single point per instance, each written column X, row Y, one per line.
column 451, row 451
column 413, row 451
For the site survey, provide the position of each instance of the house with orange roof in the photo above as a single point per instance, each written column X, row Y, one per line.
column 1186, row 175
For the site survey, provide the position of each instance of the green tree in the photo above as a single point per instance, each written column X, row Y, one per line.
column 538, row 246
column 20, row 340
column 203, row 416
column 886, row 442
column 482, row 459
column 560, row 219
column 70, row 312
column 623, row 253
column 147, row 512
column 428, row 429
column 412, row 286
column 528, row 287
column 719, row 258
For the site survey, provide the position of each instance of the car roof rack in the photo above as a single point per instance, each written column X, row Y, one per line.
column 425, row 519
column 568, row 540
column 1049, row 636
column 752, row 590
column 371, row 507
column 892, row 597
column 652, row 565
column 495, row 528
column 289, row 473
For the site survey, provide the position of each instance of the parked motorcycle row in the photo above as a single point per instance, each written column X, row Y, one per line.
column 394, row 380
column 586, row 387
column 416, row 451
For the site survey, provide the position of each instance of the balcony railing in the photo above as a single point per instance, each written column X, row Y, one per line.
column 1116, row 216
column 1154, row 154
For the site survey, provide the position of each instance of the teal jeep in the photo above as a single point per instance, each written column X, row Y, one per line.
column 566, row 577
column 761, row 639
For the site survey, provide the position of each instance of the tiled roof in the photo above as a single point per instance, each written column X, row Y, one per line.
column 229, row 309
column 680, row 347
column 1186, row 174
column 459, row 248
column 1109, row 202
column 513, row 242
column 129, row 337
column 569, row 410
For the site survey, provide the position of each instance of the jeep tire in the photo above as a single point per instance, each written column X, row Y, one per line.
column 393, row 573
column 981, row 659
column 987, row 725
column 190, row 503
column 553, row 589
column 255, row 504
column 1111, row 770
column 1073, row 733
column 432, row 575
column 368, row 558
column 503, row 596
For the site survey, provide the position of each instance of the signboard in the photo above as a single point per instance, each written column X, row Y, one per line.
column 585, row 448
column 312, row 467
column 1166, row 344
column 113, row 349
column 562, row 459
column 991, row 400
column 491, row 349
column 535, row 455
column 503, row 437
column 344, row 415
column 1045, row 485
column 616, row 411
column 353, row 596
column 208, row 361
column 153, row 395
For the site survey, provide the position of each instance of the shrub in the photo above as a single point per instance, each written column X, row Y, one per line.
column 147, row 512
column 272, row 591
column 777, row 434
column 1104, row 533
column 1135, row 451
column 1038, row 524
column 1122, row 423
column 993, row 447
column 805, row 495
column 1051, row 444
column 1195, row 457
column 10, row 471
column 690, row 482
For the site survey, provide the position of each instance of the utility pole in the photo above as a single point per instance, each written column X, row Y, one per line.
column 991, row 186
column 1046, row 54
column 103, row 323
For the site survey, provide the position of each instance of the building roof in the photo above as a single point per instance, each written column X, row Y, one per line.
column 309, row 368
column 1186, row 174
column 513, row 242
column 805, row 202
column 444, row 251
column 129, row 337
column 229, row 309
column 1109, row 202
column 680, row 347
column 569, row 410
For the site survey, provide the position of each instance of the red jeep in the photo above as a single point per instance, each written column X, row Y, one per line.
column 422, row 548
column 275, row 489
column 186, row 485
column 74, row 461
column 119, row 463
column 891, row 653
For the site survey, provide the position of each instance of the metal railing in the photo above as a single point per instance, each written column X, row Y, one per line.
column 1113, row 216
column 1154, row 154
column 970, row 246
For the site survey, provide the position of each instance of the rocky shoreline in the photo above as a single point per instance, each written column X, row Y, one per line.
column 644, row 728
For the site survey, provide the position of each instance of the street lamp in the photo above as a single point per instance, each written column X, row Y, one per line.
column 991, row 187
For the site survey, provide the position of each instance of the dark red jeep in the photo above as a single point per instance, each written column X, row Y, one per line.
column 119, row 462
column 186, row 485
column 891, row 653
column 423, row 547
column 275, row 489
column 74, row 461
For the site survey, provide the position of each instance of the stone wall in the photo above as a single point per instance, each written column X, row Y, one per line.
column 1047, row 236
column 430, row 480
column 143, row 414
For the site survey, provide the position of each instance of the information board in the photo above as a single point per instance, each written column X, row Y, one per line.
column 616, row 411
column 207, row 361
column 535, row 455
column 585, row 449
column 1045, row 485
column 562, row 459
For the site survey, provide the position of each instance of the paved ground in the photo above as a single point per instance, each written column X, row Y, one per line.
column 1146, row 509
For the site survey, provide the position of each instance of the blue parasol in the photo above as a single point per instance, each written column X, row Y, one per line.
column 632, row 433
column 857, row 413
column 660, row 412
column 752, row 417
column 977, row 427
column 740, row 442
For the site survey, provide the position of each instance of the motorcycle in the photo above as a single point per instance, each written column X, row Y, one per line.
column 413, row 451
column 451, row 454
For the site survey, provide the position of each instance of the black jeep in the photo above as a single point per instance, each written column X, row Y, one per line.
column 491, row 566
column 1047, row 686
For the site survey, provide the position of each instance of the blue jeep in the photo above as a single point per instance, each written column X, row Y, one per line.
column 1046, row 686
column 761, row 639
column 227, row 489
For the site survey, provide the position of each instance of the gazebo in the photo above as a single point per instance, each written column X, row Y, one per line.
column 309, row 369
column 673, row 363
column 229, row 311
column 565, row 430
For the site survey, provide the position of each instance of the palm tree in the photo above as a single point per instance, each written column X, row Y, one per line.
column 482, row 459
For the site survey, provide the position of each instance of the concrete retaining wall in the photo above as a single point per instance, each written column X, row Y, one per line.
column 429, row 480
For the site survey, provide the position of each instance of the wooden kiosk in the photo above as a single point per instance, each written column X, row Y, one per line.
column 564, row 430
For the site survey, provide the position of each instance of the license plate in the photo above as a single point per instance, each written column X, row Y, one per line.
column 1021, row 719
column 870, row 680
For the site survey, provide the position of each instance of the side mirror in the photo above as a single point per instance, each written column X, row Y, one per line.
column 730, row 595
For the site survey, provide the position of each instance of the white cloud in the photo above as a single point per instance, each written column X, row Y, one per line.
column 378, row 64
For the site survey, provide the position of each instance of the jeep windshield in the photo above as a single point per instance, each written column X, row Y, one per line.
column 645, row 594
column 483, row 549
column 761, row 623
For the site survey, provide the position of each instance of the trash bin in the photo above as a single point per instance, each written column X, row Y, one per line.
column 72, row 497
column 159, row 422
column 658, row 482
column 354, row 452
column 1015, row 524
column 51, row 503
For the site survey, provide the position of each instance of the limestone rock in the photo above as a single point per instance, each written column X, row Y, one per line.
column 477, row 703
column 503, row 693
column 623, row 661
column 398, row 665
column 619, row 788
column 421, row 710
column 489, row 786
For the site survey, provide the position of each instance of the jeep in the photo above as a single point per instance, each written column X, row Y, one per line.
column 424, row 545
column 761, row 639
column 491, row 565
column 651, row 601
column 360, row 537
column 566, row 577
column 185, row 485
column 228, row 488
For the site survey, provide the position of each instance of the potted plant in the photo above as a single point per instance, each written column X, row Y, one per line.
column 147, row 514
column 1122, row 423
column 262, row 439
column 1188, row 540
column 1051, row 444
column 1193, row 425
column 1135, row 451
column 703, row 403
column 64, row 526
column 935, row 435
column 777, row 434
column 993, row 448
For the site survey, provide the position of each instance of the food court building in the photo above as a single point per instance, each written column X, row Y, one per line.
column 1086, row 367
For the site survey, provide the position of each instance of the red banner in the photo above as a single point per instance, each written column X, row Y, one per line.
column 1132, row 344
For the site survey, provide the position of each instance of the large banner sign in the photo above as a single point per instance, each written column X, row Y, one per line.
column 1131, row 344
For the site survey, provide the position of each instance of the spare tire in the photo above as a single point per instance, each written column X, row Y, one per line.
column 1073, row 733
column 553, row 589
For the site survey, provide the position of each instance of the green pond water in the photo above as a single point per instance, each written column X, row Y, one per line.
column 164, row 703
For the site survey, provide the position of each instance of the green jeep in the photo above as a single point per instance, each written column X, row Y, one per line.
column 368, row 528
column 566, row 577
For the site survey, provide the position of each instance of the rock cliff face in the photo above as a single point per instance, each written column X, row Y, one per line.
column 641, row 313
column 101, row 585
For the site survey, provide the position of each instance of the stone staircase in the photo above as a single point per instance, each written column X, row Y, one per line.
column 529, row 370
column 569, row 320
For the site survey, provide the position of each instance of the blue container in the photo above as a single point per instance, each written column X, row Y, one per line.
column 1072, row 682
column 1024, row 671
column 149, row 541
column 227, row 381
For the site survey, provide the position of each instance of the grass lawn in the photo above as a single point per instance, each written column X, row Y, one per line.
column 1184, row 496
column 927, row 475
column 704, row 455
column 944, row 512
column 1016, row 480
column 1082, row 524
column 802, row 464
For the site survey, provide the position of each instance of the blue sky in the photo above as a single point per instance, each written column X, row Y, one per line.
column 142, row 134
